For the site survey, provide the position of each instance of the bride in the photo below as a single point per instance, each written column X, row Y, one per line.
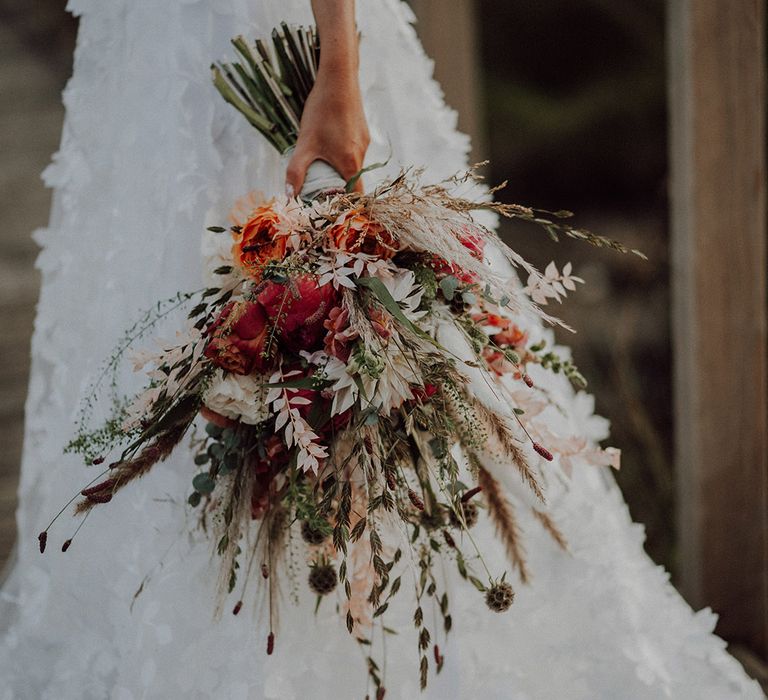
column 149, row 152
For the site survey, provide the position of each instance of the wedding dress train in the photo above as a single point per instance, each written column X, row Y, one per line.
column 148, row 151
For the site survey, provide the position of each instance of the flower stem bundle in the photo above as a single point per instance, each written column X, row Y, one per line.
column 271, row 83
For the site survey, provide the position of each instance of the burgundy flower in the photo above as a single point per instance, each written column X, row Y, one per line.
column 264, row 470
column 239, row 338
column 298, row 310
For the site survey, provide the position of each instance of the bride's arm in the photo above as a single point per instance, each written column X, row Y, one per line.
column 333, row 126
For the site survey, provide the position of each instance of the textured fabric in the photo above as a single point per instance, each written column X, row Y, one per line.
column 149, row 153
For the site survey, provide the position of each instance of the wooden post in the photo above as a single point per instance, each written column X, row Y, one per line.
column 448, row 32
column 718, row 187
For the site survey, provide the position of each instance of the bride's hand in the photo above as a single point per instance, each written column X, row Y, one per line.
column 333, row 126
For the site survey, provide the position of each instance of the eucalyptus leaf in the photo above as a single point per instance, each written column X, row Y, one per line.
column 301, row 383
column 213, row 430
column 448, row 286
column 203, row 483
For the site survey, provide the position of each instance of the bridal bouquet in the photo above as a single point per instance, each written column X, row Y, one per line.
column 362, row 376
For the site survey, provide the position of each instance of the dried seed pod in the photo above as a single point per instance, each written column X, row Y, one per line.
column 323, row 579
column 528, row 381
column 312, row 535
column 499, row 596
column 470, row 512
column 471, row 493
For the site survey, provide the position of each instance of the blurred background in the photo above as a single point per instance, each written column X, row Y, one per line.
column 567, row 100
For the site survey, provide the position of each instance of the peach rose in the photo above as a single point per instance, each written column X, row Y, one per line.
column 258, row 242
column 356, row 233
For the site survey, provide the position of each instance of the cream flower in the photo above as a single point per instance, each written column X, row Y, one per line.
column 406, row 292
column 240, row 397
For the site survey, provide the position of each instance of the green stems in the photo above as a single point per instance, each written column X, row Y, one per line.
column 271, row 85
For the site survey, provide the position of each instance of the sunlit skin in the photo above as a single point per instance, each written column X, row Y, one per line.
column 333, row 125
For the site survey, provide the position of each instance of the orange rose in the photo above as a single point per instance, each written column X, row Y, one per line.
column 511, row 336
column 258, row 242
column 356, row 233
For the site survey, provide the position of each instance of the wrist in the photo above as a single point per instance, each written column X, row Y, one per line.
column 339, row 65
column 339, row 78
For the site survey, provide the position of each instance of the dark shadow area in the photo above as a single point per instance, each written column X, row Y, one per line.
column 575, row 108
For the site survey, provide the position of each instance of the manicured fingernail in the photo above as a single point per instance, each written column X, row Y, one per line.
column 289, row 191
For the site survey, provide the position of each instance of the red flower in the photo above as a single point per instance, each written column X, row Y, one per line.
column 239, row 338
column 424, row 393
column 472, row 240
column 488, row 319
column 298, row 310
column 216, row 418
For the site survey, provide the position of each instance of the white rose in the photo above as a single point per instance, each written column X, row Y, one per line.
column 240, row 397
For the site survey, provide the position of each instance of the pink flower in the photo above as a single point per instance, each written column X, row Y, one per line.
column 380, row 322
column 443, row 268
column 339, row 333
column 297, row 310
column 497, row 362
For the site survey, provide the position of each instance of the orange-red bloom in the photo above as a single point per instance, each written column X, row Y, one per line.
column 239, row 338
column 258, row 242
column 356, row 233
column 511, row 336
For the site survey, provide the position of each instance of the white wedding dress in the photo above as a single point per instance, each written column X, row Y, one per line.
column 148, row 151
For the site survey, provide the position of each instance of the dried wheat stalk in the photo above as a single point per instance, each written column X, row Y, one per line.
column 505, row 522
